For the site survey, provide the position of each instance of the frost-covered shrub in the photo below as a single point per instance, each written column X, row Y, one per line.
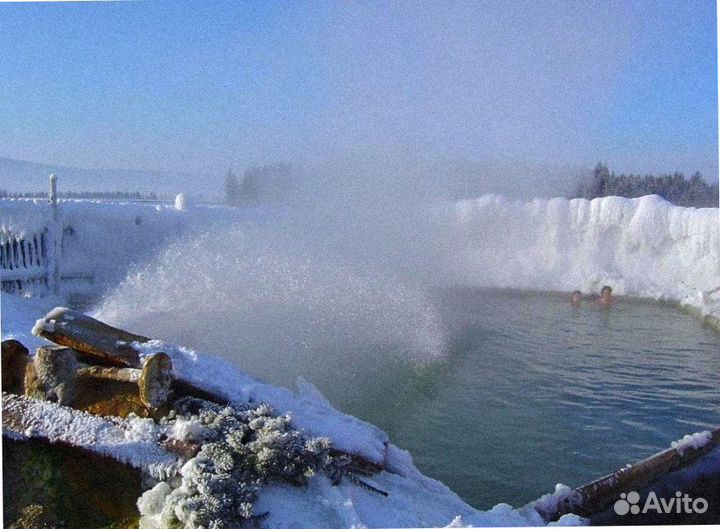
column 242, row 448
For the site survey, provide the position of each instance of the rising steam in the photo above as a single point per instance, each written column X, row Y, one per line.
column 273, row 305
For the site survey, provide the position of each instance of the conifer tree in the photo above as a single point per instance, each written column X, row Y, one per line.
column 232, row 189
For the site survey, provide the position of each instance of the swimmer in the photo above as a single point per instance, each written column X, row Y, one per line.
column 576, row 298
column 606, row 300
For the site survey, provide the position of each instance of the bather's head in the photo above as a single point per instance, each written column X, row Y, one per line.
column 576, row 298
column 606, row 295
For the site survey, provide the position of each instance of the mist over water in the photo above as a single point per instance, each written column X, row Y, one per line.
column 339, row 271
column 344, row 270
column 276, row 306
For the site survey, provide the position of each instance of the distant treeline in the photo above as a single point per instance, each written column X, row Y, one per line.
column 674, row 188
column 107, row 195
column 268, row 182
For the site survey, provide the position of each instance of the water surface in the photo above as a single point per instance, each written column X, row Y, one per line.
column 534, row 392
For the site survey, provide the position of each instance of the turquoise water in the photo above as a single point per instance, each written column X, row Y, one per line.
column 533, row 392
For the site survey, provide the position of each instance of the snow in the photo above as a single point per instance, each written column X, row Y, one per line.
column 181, row 202
column 131, row 441
column 310, row 411
column 696, row 440
column 548, row 504
column 643, row 247
column 188, row 430
column 20, row 217
column 152, row 501
column 43, row 325
column 410, row 504
column 104, row 239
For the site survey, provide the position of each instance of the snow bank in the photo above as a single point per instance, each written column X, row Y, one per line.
column 310, row 411
column 643, row 247
column 410, row 504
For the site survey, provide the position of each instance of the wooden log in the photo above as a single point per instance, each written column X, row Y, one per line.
column 598, row 495
column 60, row 374
column 95, row 341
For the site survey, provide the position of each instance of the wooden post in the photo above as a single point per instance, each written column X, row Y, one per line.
column 595, row 497
column 53, row 195
column 55, row 238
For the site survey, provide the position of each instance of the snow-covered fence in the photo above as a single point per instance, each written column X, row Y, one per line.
column 24, row 261
column 90, row 245
column 30, row 262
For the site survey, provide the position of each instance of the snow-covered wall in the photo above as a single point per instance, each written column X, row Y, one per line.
column 641, row 247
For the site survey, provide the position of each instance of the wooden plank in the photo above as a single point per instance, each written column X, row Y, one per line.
column 94, row 340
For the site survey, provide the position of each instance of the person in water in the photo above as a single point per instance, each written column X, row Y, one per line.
column 576, row 298
column 606, row 300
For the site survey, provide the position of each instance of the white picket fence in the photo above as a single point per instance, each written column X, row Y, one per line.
column 30, row 262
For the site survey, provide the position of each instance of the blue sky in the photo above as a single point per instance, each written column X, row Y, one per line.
column 199, row 86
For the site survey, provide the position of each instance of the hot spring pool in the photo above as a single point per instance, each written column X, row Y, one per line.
column 533, row 392
column 528, row 391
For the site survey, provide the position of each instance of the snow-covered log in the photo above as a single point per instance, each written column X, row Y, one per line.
column 134, row 442
column 89, row 337
column 594, row 497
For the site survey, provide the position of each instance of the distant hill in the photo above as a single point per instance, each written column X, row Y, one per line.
column 23, row 176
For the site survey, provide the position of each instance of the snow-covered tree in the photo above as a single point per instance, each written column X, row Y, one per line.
column 673, row 187
column 232, row 189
